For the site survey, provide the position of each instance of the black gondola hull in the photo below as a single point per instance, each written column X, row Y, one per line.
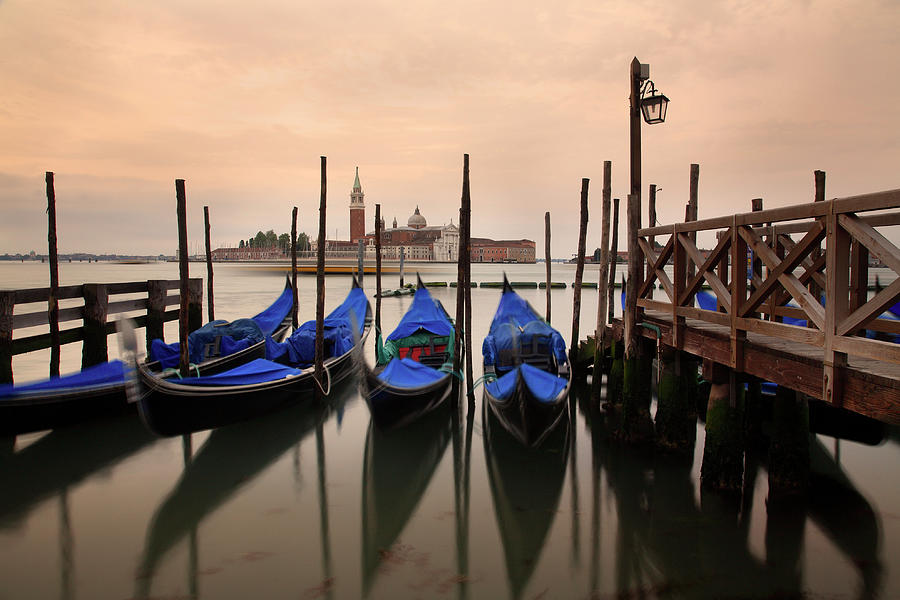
column 392, row 407
column 524, row 416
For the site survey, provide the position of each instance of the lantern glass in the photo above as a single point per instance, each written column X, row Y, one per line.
column 654, row 108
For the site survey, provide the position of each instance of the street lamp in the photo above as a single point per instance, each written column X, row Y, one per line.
column 654, row 105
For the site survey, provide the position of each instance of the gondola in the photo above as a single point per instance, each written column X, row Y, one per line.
column 222, row 345
column 526, row 370
column 413, row 375
column 172, row 406
column 99, row 390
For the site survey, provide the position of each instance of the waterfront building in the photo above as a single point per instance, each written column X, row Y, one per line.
column 509, row 251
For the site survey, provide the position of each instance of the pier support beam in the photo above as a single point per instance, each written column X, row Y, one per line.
column 7, row 303
column 789, row 446
column 156, row 310
column 636, row 425
column 615, row 380
column 676, row 411
column 723, row 452
column 95, row 350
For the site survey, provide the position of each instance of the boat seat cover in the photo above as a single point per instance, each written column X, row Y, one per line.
column 242, row 333
column 404, row 372
column 269, row 319
column 258, row 370
column 544, row 386
column 506, row 339
column 424, row 313
column 339, row 337
column 108, row 373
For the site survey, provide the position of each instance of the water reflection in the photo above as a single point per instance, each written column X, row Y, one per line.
column 62, row 459
column 526, row 484
column 229, row 460
column 397, row 468
column 668, row 543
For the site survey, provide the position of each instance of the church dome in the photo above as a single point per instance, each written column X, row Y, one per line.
column 416, row 221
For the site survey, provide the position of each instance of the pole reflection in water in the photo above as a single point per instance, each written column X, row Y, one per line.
column 526, row 484
column 230, row 459
column 36, row 473
column 462, row 453
column 66, row 546
column 323, row 511
column 397, row 468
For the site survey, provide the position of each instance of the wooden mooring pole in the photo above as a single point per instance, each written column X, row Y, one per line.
column 602, row 282
column 458, row 337
column 53, row 300
column 547, row 258
column 467, row 284
column 402, row 260
column 7, row 303
column 210, row 310
column 613, row 260
column 579, row 271
column 360, row 261
column 320, row 287
column 377, row 269
column 183, row 328
column 295, row 309
column 636, row 425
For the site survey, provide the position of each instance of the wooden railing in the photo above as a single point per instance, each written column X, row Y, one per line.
column 94, row 313
column 757, row 267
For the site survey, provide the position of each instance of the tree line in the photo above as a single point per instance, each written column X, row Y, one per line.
column 270, row 239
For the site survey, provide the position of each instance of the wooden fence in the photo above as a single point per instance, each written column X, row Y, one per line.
column 93, row 313
column 757, row 268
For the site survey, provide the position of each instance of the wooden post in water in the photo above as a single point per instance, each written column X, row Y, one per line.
column 295, row 309
column 459, row 323
column 547, row 258
column 579, row 272
column 651, row 222
column 377, row 268
column 467, row 284
column 636, row 424
column 157, row 291
column 320, row 288
column 195, row 304
column 613, row 260
column 692, row 211
column 402, row 260
column 7, row 303
column 602, row 282
column 183, row 328
column 53, row 300
column 94, row 350
column 723, row 450
column 210, row 309
column 360, row 261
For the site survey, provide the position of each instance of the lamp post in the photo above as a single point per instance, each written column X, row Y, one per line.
column 653, row 109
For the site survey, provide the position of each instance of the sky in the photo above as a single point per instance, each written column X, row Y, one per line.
column 120, row 98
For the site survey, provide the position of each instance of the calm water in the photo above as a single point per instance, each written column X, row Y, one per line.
column 313, row 503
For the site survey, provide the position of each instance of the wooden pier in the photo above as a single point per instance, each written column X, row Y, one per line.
column 769, row 265
column 94, row 311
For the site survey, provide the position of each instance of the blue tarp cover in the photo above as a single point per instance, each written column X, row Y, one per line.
column 544, row 386
column 112, row 372
column 514, row 326
column 236, row 335
column 407, row 373
column 269, row 319
column 300, row 348
column 259, row 370
column 423, row 313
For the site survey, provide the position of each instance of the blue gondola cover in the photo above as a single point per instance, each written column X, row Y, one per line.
column 109, row 373
column 407, row 373
column 259, row 370
column 515, row 325
column 269, row 319
column 235, row 336
column 423, row 313
column 544, row 386
column 300, row 347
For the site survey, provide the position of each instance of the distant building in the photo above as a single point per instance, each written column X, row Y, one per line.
column 419, row 240
column 492, row 251
column 247, row 253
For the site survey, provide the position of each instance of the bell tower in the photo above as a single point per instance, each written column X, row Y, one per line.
column 357, row 211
